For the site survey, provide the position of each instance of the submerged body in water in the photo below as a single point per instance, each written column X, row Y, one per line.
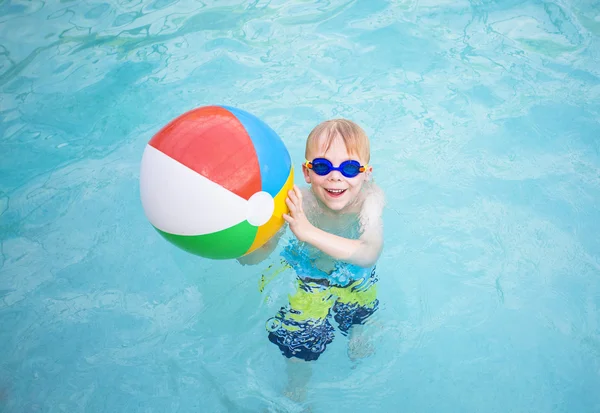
column 325, row 288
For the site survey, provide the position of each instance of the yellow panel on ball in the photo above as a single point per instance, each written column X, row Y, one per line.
column 266, row 231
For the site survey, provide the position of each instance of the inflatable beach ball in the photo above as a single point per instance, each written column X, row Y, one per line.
column 214, row 182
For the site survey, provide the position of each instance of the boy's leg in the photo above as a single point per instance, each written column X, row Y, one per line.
column 302, row 332
column 360, row 345
column 354, row 305
column 298, row 374
column 302, row 329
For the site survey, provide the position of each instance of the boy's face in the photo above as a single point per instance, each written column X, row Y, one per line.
column 334, row 189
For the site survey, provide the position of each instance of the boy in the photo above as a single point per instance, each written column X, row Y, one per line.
column 338, row 226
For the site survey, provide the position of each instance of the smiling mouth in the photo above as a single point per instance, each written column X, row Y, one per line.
column 335, row 192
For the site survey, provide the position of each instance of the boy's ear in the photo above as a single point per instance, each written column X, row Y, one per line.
column 305, row 173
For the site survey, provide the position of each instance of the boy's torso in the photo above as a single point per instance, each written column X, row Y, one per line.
column 344, row 224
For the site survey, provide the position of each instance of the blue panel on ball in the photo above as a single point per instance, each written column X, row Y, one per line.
column 273, row 157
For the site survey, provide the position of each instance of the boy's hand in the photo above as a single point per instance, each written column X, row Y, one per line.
column 297, row 220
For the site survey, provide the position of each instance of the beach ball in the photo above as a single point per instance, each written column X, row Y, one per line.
column 214, row 182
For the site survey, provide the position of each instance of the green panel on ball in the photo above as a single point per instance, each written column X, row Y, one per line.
column 229, row 243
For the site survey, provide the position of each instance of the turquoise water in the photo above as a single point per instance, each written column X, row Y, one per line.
column 484, row 118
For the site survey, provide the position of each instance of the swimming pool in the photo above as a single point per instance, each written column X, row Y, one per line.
column 484, row 125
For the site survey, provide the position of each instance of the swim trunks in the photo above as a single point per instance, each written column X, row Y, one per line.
column 303, row 328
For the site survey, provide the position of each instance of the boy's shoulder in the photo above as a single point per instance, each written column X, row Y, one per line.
column 371, row 211
column 373, row 195
column 375, row 189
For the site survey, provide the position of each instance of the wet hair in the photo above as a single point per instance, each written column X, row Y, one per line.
column 354, row 137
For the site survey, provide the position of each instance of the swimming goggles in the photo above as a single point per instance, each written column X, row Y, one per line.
column 322, row 167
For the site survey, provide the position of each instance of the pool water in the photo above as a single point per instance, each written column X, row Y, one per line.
column 484, row 119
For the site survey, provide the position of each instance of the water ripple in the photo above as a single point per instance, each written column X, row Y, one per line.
column 483, row 118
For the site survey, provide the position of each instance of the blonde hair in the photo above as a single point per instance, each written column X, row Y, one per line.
column 353, row 136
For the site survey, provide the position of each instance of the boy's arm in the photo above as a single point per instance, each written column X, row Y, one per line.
column 363, row 252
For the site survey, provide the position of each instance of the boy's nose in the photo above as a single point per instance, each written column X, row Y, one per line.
column 335, row 175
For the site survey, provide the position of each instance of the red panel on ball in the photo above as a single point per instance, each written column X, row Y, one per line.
column 211, row 141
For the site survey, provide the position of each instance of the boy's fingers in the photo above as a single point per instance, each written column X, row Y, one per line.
column 293, row 197
column 291, row 205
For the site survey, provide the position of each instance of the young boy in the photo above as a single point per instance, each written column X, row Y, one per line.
column 338, row 226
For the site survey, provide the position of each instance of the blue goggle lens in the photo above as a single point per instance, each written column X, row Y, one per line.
column 321, row 168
